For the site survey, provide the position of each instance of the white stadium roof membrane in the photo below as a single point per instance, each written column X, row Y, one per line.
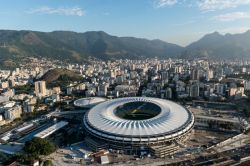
column 88, row 102
column 172, row 121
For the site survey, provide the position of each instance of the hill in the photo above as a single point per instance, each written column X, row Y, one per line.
column 77, row 47
column 60, row 75
column 219, row 46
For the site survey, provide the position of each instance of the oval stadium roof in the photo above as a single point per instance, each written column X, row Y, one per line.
column 173, row 119
column 89, row 102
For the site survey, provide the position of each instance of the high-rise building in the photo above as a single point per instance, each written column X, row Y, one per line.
column 209, row 74
column 169, row 93
column 220, row 89
column 244, row 70
column 13, row 113
column 178, row 69
column 103, row 89
column 17, row 70
column 40, row 88
column 12, row 83
column 29, row 104
column 132, row 67
column 69, row 90
column 112, row 74
column 247, row 85
column 194, row 90
column 164, row 76
column 120, row 79
column 81, row 86
column 195, row 74
column 232, row 91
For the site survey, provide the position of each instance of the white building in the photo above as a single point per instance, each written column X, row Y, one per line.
column 209, row 74
column 29, row 105
column 247, row 85
column 102, row 90
column 13, row 113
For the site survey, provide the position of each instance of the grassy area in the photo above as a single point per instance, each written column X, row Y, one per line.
column 26, row 89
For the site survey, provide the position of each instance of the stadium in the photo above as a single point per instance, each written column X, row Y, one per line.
column 88, row 102
column 138, row 123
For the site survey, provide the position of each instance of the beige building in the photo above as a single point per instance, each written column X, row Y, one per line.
column 81, row 86
column 56, row 90
column 232, row 91
column 236, row 91
column 40, row 88
column 4, row 85
column 209, row 74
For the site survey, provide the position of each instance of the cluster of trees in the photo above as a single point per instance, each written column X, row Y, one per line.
column 39, row 146
column 34, row 148
column 27, row 89
column 47, row 163
column 247, row 112
column 4, row 157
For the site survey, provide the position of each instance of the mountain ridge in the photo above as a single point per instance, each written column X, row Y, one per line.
column 218, row 46
column 77, row 47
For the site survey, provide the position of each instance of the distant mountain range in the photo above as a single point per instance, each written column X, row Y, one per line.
column 217, row 46
column 77, row 47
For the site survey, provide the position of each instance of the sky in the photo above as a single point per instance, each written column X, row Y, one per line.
column 175, row 21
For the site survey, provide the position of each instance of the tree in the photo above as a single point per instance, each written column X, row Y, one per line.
column 39, row 146
column 26, row 158
column 48, row 163
column 246, row 111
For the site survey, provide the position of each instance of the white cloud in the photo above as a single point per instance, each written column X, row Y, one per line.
column 212, row 5
column 232, row 16
column 203, row 5
column 68, row 11
column 163, row 3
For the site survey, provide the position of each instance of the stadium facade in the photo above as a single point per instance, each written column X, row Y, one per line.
column 134, row 124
